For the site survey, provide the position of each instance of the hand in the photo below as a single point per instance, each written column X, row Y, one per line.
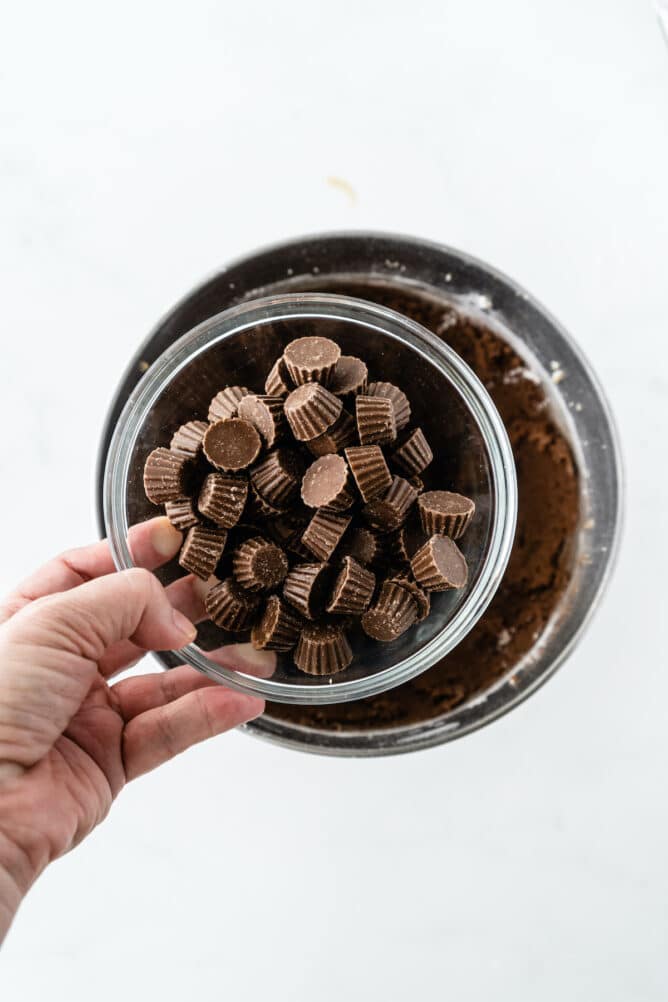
column 69, row 740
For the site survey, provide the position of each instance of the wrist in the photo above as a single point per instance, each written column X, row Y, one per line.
column 18, row 871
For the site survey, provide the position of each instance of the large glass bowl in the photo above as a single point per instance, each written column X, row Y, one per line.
column 470, row 444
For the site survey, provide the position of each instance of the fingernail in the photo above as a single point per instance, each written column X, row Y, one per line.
column 165, row 539
column 248, row 659
column 187, row 629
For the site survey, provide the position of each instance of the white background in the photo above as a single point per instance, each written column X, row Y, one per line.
column 141, row 146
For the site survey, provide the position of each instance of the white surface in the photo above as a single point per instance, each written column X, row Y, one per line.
column 141, row 146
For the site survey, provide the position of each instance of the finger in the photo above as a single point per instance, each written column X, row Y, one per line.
column 152, row 738
column 145, row 692
column 151, row 543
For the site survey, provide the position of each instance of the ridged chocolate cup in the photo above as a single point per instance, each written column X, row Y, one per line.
column 322, row 649
column 278, row 628
column 230, row 606
column 422, row 599
column 328, row 484
column 362, row 544
column 311, row 360
column 393, row 612
column 417, row 483
column 439, row 565
column 311, row 410
column 306, row 588
column 278, row 476
column 265, row 413
column 259, row 565
column 202, row 549
column 389, row 512
column 376, row 423
column 259, row 508
column 353, row 589
column 368, row 467
column 166, row 476
column 231, row 444
column 278, row 382
column 187, row 440
column 402, row 407
column 223, row 498
column 395, row 549
column 342, row 433
column 414, row 455
column 445, row 512
column 181, row 513
column 226, row 403
column 350, row 376
column 324, row 533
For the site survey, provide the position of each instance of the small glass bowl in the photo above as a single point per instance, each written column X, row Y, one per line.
column 470, row 445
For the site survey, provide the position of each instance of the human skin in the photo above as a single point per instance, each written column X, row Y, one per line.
column 69, row 738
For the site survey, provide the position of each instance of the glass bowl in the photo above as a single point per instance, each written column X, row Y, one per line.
column 470, row 445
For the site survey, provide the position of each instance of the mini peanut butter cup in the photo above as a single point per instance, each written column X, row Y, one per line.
column 306, row 588
column 259, row 565
column 363, row 545
column 389, row 511
column 230, row 606
column 187, row 441
column 376, row 424
column 231, row 444
column 226, row 403
column 422, row 600
column 278, row 628
column 414, row 455
column 181, row 513
column 322, row 649
column 311, row 360
column 324, row 533
column 342, row 433
column 439, row 565
column 166, row 476
column 402, row 408
column 395, row 549
column 311, row 410
column 202, row 549
column 445, row 512
column 278, row 382
column 394, row 611
column 353, row 589
column 259, row 508
column 328, row 484
column 417, row 483
column 223, row 498
column 265, row 413
column 368, row 467
column 350, row 376
column 278, row 476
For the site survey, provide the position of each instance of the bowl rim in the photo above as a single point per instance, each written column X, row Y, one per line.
column 475, row 397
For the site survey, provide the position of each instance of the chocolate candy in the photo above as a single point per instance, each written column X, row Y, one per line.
column 187, row 440
column 202, row 549
column 230, row 606
column 306, row 588
column 394, row 611
column 223, row 498
column 277, row 477
column 311, row 410
column 363, row 545
column 324, row 532
column 311, row 360
column 389, row 511
column 165, row 476
column 342, row 433
column 368, row 467
column 226, row 403
column 350, row 376
column 278, row 382
column 265, row 413
column 395, row 548
column 259, row 565
column 278, row 628
column 439, row 565
column 422, row 600
column 414, row 455
column 327, row 484
column 402, row 408
column 323, row 649
column 376, row 422
column 445, row 512
column 259, row 508
column 181, row 513
column 231, row 444
column 353, row 589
